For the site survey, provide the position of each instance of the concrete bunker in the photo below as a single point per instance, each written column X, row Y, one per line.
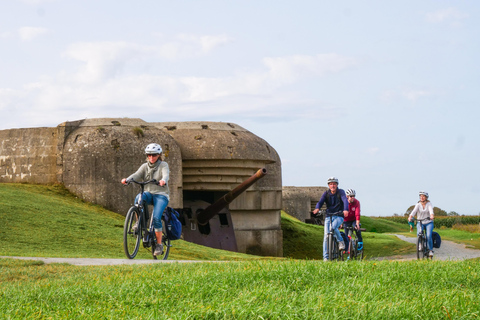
column 206, row 160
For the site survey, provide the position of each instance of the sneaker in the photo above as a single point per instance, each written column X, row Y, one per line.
column 158, row 249
column 325, row 260
column 360, row 246
column 430, row 253
column 341, row 245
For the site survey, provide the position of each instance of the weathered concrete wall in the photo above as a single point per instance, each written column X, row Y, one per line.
column 299, row 201
column 28, row 155
column 219, row 156
column 98, row 153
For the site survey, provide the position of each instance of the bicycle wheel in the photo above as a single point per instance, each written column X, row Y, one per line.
column 165, row 243
column 419, row 249
column 426, row 250
column 132, row 234
column 330, row 246
column 353, row 249
column 339, row 252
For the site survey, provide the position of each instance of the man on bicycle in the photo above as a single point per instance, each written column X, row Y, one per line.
column 337, row 205
column 158, row 195
column 353, row 216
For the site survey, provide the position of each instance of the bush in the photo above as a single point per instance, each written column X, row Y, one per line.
column 442, row 221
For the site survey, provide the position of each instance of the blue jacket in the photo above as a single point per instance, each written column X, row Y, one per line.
column 334, row 204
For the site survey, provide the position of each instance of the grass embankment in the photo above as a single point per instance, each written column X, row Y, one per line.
column 48, row 221
column 286, row 289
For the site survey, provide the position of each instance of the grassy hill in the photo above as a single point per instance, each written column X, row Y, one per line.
column 48, row 221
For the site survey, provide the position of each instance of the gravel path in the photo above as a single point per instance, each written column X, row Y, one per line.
column 448, row 251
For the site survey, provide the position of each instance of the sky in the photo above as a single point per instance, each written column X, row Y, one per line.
column 383, row 95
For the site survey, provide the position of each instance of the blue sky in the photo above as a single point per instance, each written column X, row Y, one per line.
column 383, row 95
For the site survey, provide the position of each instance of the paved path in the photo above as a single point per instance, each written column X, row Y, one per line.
column 448, row 251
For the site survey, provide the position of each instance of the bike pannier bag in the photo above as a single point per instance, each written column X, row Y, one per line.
column 174, row 226
column 437, row 241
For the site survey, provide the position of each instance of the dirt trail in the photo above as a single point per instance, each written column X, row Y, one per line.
column 448, row 251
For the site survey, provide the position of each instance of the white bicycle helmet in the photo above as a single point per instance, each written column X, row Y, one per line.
column 153, row 148
column 332, row 179
column 423, row 193
column 350, row 192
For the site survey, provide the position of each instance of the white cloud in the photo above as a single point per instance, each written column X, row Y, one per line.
column 414, row 95
column 206, row 43
column 102, row 85
column 373, row 150
column 410, row 94
column 29, row 33
column 289, row 69
column 451, row 15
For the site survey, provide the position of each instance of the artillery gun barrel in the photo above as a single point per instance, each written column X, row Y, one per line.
column 221, row 203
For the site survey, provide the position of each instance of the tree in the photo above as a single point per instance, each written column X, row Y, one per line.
column 439, row 212
column 409, row 210
column 452, row 214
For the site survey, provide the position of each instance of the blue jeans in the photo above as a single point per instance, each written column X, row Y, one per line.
column 336, row 222
column 159, row 202
column 429, row 228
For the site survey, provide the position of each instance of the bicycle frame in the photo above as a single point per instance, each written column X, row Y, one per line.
column 422, row 240
column 352, row 249
column 333, row 252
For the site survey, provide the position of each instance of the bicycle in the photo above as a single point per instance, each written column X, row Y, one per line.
column 352, row 249
column 332, row 245
column 422, row 243
column 139, row 228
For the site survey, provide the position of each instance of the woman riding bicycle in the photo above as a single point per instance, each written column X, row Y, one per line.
column 156, row 194
column 353, row 216
column 424, row 211
column 337, row 204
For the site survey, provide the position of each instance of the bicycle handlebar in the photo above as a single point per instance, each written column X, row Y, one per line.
column 142, row 183
column 334, row 214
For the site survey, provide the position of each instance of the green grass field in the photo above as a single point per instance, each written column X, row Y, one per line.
column 49, row 221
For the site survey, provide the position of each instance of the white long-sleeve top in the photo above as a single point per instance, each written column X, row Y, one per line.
column 422, row 213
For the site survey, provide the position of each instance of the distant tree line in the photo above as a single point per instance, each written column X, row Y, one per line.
column 436, row 210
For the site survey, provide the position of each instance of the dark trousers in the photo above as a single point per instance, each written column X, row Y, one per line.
column 352, row 224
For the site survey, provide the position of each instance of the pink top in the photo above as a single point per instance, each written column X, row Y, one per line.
column 353, row 211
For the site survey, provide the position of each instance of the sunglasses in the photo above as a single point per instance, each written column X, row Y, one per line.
column 152, row 155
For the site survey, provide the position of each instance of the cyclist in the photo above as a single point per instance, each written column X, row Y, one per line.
column 337, row 204
column 411, row 224
column 424, row 210
column 353, row 215
column 156, row 194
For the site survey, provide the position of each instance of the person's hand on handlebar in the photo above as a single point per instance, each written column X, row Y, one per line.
column 124, row 181
column 345, row 213
column 161, row 183
column 315, row 211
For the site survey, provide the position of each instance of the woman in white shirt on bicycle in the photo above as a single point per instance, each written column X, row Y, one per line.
column 424, row 211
